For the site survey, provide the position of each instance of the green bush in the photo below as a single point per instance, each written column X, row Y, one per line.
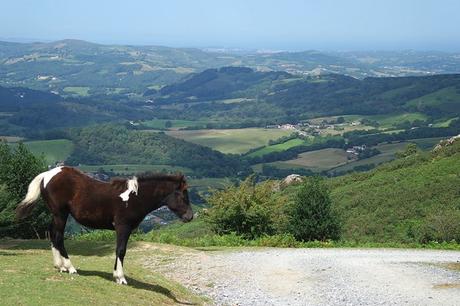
column 310, row 215
column 250, row 210
column 18, row 166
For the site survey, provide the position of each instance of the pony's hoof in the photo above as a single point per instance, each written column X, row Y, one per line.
column 122, row 281
column 72, row 270
column 62, row 269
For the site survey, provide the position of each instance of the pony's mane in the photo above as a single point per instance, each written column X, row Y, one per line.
column 152, row 176
column 149, row 176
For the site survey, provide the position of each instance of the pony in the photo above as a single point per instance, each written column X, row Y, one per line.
column 119, row 205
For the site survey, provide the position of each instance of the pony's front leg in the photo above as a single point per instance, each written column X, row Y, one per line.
column 123, row 233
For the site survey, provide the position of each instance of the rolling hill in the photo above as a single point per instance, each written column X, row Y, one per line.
column 412, row 199
column 115, row 144
column 129, row 71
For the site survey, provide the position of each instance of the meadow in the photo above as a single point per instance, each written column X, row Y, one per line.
column 174, row 124
column 29, row 278
column 52, row 150
column 236, row 141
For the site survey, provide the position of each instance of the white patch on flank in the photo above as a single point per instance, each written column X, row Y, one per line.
column 118, row 273
column 48, row 175
column 132, row 187
column 57, row 258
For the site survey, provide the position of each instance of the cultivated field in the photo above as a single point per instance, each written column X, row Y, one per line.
column 318, row 160
column 235, row 141
column 52, row 150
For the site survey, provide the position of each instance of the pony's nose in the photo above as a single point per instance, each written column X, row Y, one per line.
column 188, row 216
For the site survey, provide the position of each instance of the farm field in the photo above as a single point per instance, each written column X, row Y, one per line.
column 318, row 160
column 234, row 141
column 336, row 159
column 278, row 147
column 53, row 150
column 29, row 278
column 80, row 91
column 385, row 121
column 175, row 124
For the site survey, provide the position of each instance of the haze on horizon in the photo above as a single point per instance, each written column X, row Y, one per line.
column 255, row 24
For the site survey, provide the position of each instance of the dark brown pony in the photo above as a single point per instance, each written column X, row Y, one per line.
column 119, row 205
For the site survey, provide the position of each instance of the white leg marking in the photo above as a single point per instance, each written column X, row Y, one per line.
column 118, row 273
column 48, row 175
column 57, row 259
column 68, row 266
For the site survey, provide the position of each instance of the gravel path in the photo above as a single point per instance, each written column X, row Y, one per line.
column 269, row 276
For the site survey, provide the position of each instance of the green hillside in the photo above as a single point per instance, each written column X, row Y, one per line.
column 412, row 199
column 112, row 144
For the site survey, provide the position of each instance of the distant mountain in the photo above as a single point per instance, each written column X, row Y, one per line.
column 244, row 94
column 75, row 67
column 220, row 83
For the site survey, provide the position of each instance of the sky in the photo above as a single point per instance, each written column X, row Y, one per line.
column 247, row 24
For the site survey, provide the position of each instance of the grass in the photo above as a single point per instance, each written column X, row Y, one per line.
column 449, row 95
column 235, row 141
column 52, row 150
column 28, row 277
column 76, row 90
column 135, row 168
column 319, row 160
column 198, row 234
column 278, row 147
column 175, row 124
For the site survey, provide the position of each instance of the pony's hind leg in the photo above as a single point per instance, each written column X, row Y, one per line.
column 61, row 258
column 57, row 258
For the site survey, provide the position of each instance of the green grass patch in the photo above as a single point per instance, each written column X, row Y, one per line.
column 53, row 150
column 235, row 141
column 448, row 95
column 175, row 124
column 318, row 160
column 198, row 234
column 76, row 90
column 279, row 147
column 29, row 278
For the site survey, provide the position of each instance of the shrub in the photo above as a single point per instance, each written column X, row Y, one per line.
column 310, row 216
column 248, row 210
column 18, row 166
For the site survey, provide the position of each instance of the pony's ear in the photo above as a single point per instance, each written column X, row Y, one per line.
column 183, row 186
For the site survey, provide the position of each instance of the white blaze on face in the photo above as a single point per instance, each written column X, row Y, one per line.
column 48, row 175
column 118, row 273
column 132, row 186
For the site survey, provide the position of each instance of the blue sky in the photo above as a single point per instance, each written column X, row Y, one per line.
column 251, row 24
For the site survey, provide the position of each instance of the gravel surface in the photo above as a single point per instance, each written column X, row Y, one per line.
column 270, row 276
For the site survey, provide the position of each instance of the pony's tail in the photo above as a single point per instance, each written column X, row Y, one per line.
column 33, row 193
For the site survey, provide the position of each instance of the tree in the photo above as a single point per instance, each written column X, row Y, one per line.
column 311, row 216
column 18, row 166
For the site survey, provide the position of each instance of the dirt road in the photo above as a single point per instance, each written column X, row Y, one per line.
column 269, row 276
